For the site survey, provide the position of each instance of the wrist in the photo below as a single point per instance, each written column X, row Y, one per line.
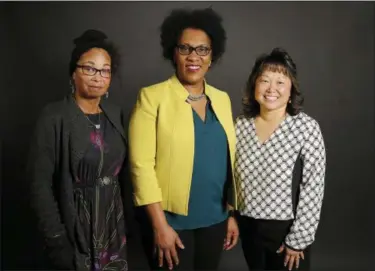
column 231, row 213
column 292, row 248
column 161, row 226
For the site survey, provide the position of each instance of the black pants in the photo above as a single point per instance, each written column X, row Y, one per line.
column 261, row 239
column 203, row 247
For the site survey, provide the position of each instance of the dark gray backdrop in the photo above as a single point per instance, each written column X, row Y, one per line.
column 331, row 42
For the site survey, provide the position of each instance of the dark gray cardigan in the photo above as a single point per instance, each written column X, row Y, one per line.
column 59, row 143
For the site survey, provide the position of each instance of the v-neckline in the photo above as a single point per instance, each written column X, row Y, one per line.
column 204, row 121
column 273, row 134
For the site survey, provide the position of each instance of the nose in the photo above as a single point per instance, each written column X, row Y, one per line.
column 193, row 55
column 273, row 86
column 96, row 77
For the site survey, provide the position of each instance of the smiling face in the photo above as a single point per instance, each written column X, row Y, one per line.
column 272, row 90
column 191, row 68
column 92, row 86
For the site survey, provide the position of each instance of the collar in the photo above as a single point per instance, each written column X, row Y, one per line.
column 181, row 91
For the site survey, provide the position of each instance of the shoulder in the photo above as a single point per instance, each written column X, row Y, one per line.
column 156, row 88
column 53, row 110
column 242, row 120
column 113, row 111
column 221, row 94
column 219, row 97
column 305, row 122
column 151, row 95
column 112, row 107
column 50, row 116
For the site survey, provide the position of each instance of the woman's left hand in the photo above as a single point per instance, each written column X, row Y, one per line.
column 232, row 234
column 291, row 256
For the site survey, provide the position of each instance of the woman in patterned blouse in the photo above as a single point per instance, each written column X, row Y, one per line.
column 279, row 168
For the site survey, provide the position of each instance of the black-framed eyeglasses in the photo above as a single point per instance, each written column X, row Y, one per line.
column 185, row 50
column 88, row 70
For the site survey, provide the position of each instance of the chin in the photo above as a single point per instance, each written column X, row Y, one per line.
column 272, row 107
column 192, row 79
column 91, row 95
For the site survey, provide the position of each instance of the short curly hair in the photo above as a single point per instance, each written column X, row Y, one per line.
column 93, row 39
column 204, row 19
column 278, row 60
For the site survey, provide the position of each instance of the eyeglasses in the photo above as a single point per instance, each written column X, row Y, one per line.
column 185, row 50
column 88, row 70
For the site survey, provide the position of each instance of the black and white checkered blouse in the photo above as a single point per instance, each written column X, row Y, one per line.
column 264, row 174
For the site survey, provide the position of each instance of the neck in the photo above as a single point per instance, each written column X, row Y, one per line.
column 273, row 115
column 195, row 89
column 88, row 106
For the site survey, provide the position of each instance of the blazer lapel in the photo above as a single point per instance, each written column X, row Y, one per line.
column 220, row 110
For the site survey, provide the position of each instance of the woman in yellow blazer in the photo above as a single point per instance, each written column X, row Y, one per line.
column 181, row 143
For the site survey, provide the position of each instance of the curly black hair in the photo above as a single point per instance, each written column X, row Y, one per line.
column 93, row 39
column 204, row 19
column 278, row 60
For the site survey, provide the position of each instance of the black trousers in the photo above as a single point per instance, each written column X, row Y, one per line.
column 203, row 247
column 261, row 239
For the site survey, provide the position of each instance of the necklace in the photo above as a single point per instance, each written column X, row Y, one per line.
column 195, row 98
column 198, row 97
column 97, row 126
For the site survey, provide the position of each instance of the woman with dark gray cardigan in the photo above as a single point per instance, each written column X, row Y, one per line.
column 75, row 164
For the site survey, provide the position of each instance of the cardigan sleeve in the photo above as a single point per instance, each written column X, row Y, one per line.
column 41, row 169
column 142, row 149
column 302, row 232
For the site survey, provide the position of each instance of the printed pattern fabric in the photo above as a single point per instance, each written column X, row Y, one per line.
column 98, row 200
column 264, row 171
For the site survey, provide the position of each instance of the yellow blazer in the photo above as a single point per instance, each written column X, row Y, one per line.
column 161, row 143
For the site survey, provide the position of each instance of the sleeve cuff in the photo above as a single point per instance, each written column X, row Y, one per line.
column 149, row 199
column 292, row 248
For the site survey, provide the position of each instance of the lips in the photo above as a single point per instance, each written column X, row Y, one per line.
column 193, row 68
column 270, row 98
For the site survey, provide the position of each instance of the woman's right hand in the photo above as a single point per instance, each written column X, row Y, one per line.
column 166, row 240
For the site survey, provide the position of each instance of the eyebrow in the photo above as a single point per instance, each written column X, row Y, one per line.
column 90, row 62
column 282, row 77
column 205, row 45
